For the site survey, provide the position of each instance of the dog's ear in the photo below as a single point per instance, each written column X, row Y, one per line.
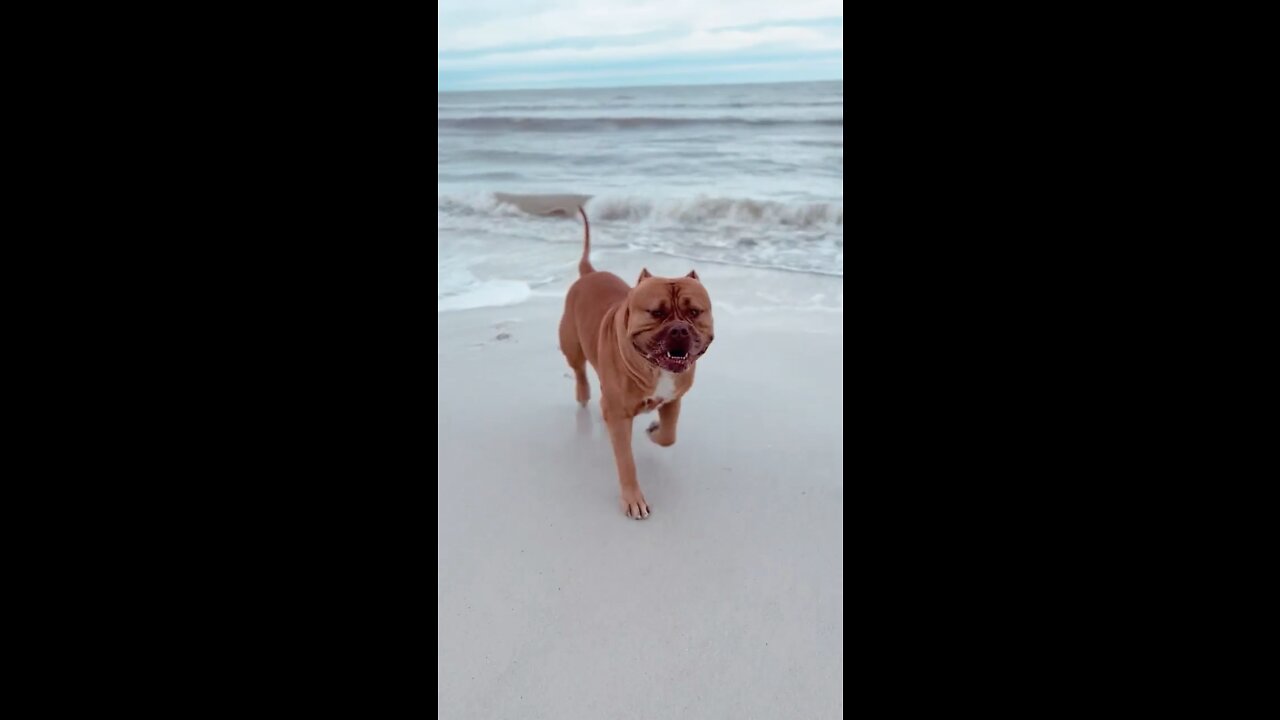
column 644, row 274
column 692, row 274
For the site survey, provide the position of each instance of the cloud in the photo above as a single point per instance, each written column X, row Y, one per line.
column 512, row 43
column 479, row 24
column 698, row 42
column 771, row 71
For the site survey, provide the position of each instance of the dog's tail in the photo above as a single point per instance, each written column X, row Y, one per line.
column 584, row 265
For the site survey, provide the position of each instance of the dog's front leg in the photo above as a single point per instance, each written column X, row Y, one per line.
column 633, row 503
column 663, row 430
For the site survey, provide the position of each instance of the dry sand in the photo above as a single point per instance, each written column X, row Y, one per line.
column 728, row 601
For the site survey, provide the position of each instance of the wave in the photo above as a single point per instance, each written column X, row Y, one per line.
column 561, row 204
column 630, row 209
column 797, row 236
column 585, row 105
column 714, row 210
column 568, row 124
column 465, row 177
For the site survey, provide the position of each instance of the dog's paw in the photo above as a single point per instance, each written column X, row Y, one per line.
column 655, row 434
column 633, row 504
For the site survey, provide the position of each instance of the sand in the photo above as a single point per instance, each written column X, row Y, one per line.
column 728, row 601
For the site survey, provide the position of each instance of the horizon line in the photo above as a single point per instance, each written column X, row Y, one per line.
column 638, row 87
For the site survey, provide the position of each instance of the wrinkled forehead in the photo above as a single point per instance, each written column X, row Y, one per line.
column 655, row 291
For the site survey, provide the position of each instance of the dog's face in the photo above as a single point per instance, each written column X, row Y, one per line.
column 669, row 320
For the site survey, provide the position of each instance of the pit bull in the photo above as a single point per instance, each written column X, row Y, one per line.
column 643, row 342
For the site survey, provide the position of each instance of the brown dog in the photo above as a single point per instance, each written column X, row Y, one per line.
column 643, row 343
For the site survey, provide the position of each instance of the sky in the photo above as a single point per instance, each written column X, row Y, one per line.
column 515, row 44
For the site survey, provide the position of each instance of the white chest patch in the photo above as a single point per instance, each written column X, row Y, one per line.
column 666, row 389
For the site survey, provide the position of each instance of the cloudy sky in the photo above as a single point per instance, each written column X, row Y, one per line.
column 505, row 44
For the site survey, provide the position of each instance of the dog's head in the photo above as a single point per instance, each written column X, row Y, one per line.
column 669, row 320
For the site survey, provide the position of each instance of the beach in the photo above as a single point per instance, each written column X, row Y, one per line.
column 728, row 601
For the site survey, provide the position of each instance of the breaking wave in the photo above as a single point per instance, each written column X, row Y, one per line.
column 803, row 237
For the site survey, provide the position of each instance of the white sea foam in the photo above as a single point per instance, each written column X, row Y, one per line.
column 490, row 293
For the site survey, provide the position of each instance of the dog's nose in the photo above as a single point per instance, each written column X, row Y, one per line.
column 680, row 331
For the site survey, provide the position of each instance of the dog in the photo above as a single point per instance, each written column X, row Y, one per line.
column 643, row 342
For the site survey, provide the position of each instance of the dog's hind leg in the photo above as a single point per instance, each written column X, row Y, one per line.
column 572, row 349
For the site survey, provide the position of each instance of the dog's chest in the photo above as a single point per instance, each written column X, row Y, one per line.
column 665, row 392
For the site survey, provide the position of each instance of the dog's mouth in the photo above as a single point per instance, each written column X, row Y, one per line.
column 673, row 354
column 674, row 347
column 675, row 359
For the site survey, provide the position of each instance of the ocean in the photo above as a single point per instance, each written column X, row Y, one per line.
column 749, row 175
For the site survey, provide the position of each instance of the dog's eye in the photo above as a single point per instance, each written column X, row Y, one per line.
column 657, row 313
column 694, row 312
